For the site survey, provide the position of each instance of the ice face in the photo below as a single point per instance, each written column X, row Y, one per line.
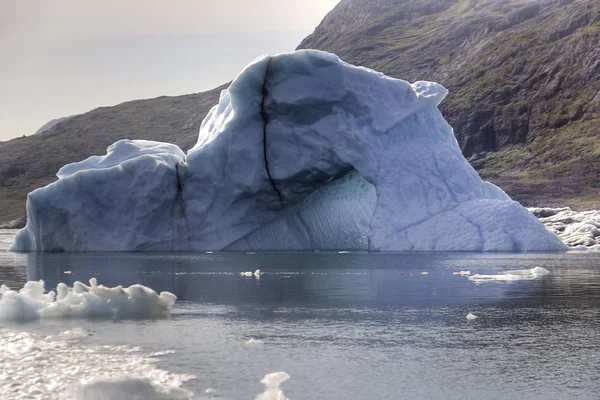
column 303, row 152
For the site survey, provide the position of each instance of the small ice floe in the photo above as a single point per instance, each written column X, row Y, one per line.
column 272, row 383
column 471, row 317
column 73, row 334
column 424, row 273
column 210, row 252
column 255, row 342
column 68, row 272
column 210, row 392
column 516, row 275
column 81, row 301
column 250, row 274
column 462, row 273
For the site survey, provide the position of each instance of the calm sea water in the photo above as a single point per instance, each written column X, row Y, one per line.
column 343, row 326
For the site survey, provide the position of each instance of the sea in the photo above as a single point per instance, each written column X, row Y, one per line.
column 322, row 325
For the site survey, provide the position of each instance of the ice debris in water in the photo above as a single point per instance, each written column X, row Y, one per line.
column 424, row 273
column 471, row 316
column 516, row 275
column 462, row 273
column 82, row 301
column 578, row 230
column 255, row 342
column 128, row 389
column 72, row 334
column 249, row 274
column 272, row 382
column 69, row 369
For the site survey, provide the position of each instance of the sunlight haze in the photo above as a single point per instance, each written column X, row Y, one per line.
column 66, row 57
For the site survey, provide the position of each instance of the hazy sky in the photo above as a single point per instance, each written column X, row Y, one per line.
column 63, row 57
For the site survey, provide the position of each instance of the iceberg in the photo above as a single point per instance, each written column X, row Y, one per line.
column 302, row 152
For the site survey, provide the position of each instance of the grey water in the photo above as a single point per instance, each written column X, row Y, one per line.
column 351, row 326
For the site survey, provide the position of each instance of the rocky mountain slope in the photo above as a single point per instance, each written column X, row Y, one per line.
column 523, row 75
column 28, row 163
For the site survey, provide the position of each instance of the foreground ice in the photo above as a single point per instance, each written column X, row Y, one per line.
column 81, row 301
column 516, row 275
column 272, row 383
column 126, row 388
column 62, row 367
column 303, row 152
column 579, row 230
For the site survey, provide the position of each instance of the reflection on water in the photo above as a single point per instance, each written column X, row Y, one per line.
column 355, row 326
column 326, row 279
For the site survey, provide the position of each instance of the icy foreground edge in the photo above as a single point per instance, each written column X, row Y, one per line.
column 303, row 152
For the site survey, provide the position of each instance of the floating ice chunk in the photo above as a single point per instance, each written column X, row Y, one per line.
column 257, row 273
column 72, row 334
column 272, row 383
column 81, row 301
column 462, row 273
column 516, row 275
column 424, row 273
column 255, row 342
column 124, row 388
column 303, row 152
column 247, row 274
column 471, row 316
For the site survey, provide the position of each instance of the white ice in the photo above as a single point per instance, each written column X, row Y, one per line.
column 272, row 383
column 462, row 273
column 128, row 388
column 578, row 230
column 65, row 366
column 471, row 316
column 516, row 275
column 303, row 152
column 81, row 301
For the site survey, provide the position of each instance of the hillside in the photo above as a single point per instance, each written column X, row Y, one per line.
column 523, row 75
column 30, row 162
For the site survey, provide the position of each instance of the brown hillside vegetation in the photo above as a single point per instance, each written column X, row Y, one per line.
column 523, row 75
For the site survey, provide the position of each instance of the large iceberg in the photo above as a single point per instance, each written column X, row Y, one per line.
column 303, row 152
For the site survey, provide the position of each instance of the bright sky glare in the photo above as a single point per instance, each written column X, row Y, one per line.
column 64, row 57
